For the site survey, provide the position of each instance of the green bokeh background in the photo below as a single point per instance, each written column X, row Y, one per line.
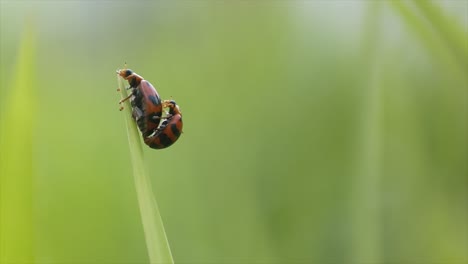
column 314, row 131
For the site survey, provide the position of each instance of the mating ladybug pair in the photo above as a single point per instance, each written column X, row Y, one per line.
column 147, row 110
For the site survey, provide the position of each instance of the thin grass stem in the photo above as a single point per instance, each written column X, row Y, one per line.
column 155, row 235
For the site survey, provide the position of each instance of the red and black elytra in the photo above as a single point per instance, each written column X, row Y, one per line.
column 169, row 130
column 147, row 112
column 145, row 101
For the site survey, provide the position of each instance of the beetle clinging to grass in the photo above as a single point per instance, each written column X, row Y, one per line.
column 147, row 109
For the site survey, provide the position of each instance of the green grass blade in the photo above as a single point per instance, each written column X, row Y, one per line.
column 16, row 162
column 433, row 42
column 450, row 31
column 365, row 199
column 155, row 236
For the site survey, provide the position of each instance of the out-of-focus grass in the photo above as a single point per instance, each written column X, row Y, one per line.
column 365, row 188
column 442, row 36
column 153, row 228
column 448, row 29
column 18, row 119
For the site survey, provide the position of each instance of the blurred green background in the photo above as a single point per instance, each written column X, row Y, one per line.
column 314, row 131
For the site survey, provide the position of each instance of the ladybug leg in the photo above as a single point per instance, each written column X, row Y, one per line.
column 155, row 118
column 159, row 129
column 168, row 116
column 125, row 99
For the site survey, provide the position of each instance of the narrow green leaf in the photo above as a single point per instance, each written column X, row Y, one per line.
column 365, row 198
column 16, row 166
column 434, row 43
column 450, row 31
column 155, row 236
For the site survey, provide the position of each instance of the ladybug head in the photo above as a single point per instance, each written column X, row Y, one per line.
column 125, row 73
column 132, row 78
column 172, row 102
column 173, row 107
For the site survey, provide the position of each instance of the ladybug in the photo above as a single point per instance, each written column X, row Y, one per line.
column 169, row 130
column 145, row 101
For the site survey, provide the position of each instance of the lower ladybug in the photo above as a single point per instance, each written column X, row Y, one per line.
column 169, row 130
column 145, row 101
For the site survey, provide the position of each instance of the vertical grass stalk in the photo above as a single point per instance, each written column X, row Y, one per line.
column 16, row 169
column 155, row 236
column 365, row 200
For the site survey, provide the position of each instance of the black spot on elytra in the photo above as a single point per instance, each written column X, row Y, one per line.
column 165, row 140
column 147, row 134
column 155, row 100
column 175, row 130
